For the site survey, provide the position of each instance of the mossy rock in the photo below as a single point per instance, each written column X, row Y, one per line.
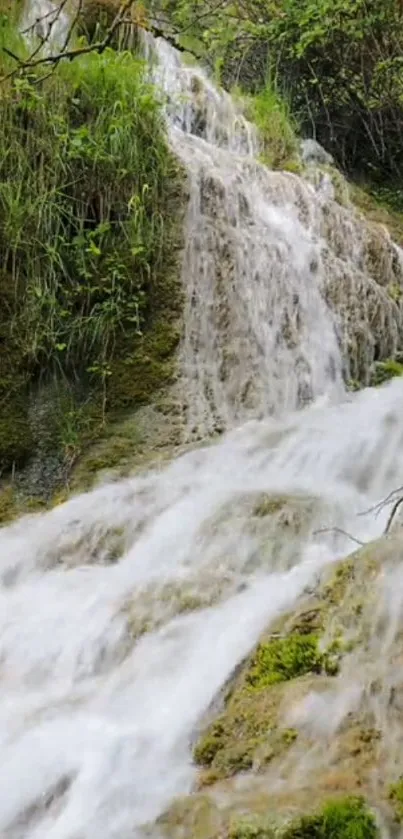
column 249, row 733
column 302, row 652
column 315, row 174
column 250, row 827
column 8, row 505
column 395, row 795
column 195, row 816
column 378, row 211
column 268, row 769
column 151, row 366
column 16, row 440
column 339, row 817
column 344, row 818
column 383, row 371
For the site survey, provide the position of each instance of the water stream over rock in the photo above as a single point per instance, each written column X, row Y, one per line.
column 125, row 610
column 286, row 288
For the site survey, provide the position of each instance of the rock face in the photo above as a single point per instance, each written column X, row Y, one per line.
column 313, row 715
column 313, row 152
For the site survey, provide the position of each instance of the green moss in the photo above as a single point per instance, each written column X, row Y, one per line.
column 335, row 588
column 293, row 166
column 8, row 505
column 353, row 385
column 251, row 828
column 207, row 748
column 395, row 291
column 395, row 795
column 269, row 505
column 196, row 816
column 289, row 735
column 383, row 371
column 378, row 210
column 346, row 818
column 13, row 505
column 341, row 189
column 248, row 734
column 284, row 658
column 16, row 440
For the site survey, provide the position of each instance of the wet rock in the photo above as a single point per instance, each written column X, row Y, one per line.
column 313, row 152
column 287, row 747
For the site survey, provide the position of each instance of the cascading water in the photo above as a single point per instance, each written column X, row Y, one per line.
column 125, row 610
column 282, row 286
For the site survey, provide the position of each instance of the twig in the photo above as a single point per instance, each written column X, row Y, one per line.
column 33, row 25
column 72, row 25
column 99, row 47
column 343, row 533
column 393, row 513
column 381, row 504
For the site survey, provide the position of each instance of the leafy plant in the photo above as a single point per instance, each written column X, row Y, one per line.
column 86, row 219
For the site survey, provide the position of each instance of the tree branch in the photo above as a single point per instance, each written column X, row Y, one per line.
column 32, row 63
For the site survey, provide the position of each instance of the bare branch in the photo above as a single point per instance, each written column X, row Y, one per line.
column 393, row 513
column 381, row 504
column 33, row 63
column 342, row 532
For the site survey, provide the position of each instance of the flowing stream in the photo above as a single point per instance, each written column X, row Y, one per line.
column 124, row 611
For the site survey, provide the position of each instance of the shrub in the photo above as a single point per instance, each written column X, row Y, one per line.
column 284, row 658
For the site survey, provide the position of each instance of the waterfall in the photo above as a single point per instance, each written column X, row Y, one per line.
column 46, row 21
column 283, row 290
column 124, row 610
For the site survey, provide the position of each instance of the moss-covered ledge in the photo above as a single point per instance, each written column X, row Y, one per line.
column 263, row 769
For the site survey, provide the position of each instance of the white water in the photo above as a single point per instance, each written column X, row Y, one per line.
column 46, row 21
column 123, row 611
column 283, row 290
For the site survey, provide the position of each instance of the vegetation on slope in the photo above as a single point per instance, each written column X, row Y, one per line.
column 338, row 62
column 90, row 231
column 346, row 818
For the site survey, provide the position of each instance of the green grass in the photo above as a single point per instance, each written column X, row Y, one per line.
column 277, row 128
column 346, row 818
column 89, row 206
